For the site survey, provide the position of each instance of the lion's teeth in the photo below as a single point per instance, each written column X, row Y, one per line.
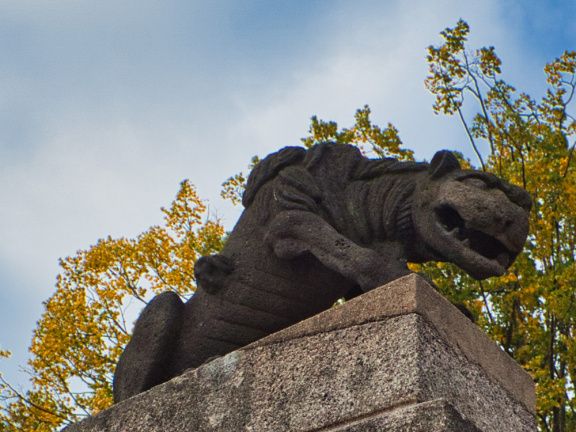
column 447, row 228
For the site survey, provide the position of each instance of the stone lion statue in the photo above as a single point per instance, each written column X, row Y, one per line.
column 319, row 225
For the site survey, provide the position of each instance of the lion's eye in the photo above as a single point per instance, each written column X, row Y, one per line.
column 475, row 182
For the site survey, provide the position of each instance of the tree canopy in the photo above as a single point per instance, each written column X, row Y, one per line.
column 530, row 311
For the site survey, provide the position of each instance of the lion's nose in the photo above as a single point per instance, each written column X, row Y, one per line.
column 503, row 222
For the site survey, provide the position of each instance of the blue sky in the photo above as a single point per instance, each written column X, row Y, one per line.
column 106, row 106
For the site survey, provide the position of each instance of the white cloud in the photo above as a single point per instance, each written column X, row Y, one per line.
column 377, row 59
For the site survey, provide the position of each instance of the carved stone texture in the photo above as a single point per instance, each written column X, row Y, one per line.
column 319, row 225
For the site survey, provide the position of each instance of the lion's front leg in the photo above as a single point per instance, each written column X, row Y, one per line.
column 294, row 233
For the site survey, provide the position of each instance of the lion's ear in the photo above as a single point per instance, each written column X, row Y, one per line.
column 442, row 163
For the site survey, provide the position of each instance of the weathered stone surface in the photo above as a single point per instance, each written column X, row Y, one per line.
column 413, row 294
column 434, row 416
column 361, row 366
column 318, row 225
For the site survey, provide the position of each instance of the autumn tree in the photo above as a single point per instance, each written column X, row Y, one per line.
column 88, row 320
column 531, row 311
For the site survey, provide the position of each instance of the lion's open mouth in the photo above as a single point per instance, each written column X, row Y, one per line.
column 481, row 243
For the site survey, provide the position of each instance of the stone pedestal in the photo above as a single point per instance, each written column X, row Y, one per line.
column 399, row 358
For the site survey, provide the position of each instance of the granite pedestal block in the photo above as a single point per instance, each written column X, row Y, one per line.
column 399, row 358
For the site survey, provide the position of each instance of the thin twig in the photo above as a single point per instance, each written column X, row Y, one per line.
column 490, row 317
column 471, row 139
column 29, row 402
column 482, row 103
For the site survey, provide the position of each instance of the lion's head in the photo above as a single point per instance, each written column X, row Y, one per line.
column 471, row 218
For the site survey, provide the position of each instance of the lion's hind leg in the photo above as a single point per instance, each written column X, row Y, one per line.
column 145, row 362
